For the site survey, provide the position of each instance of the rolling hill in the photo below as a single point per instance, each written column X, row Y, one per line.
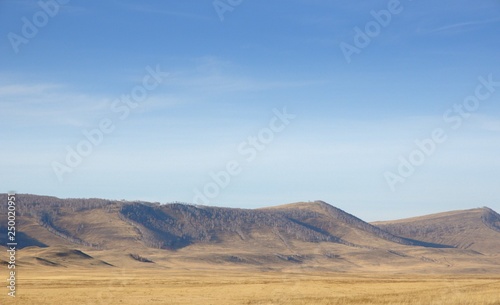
column 474, row 229
column 97, row 233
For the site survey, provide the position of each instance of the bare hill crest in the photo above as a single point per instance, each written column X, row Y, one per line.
column 313, row 234
column 474, row 229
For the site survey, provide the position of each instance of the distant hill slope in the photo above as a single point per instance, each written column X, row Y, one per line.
column 178, row 225
column 475, row 229
column 103, row 224
column 61, row 232
column 59, row 256
column 50, row 221
column 332, row 220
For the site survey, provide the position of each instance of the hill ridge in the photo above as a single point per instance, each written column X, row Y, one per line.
column 475, row 229
column 303, row 233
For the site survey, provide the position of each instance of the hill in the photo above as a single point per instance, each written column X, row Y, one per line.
column 299, row 235
column 474, row 229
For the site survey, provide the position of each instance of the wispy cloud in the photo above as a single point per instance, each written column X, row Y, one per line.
column 227, row 83
column 25, row 89
column 210, row 74
column 60, row 105
column 463, row 26
column 48, row 104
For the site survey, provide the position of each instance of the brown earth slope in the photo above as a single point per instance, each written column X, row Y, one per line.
column 475, row 229
column 56, row 232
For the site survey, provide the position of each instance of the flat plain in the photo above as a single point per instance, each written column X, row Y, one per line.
column 126, row 286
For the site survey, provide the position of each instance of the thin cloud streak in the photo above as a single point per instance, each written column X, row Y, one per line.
column 463, row 25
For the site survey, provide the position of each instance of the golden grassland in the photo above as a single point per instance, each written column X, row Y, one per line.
column 67, row 286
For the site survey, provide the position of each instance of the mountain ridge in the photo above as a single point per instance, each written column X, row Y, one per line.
column 314, row 234
column 474, row 226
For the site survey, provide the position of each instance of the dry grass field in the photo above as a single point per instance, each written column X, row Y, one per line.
column 49, row 287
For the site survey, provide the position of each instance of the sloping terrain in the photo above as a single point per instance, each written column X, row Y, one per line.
column 175, row 225
column 331, row 220
column 475, row 229
column 58, row 256
column 299, row 235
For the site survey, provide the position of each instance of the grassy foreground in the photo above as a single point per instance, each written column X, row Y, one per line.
column 231, row 287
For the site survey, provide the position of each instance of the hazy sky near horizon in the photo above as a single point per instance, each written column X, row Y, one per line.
column 426, row 68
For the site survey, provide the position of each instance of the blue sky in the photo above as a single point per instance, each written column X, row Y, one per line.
column 353, row 122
